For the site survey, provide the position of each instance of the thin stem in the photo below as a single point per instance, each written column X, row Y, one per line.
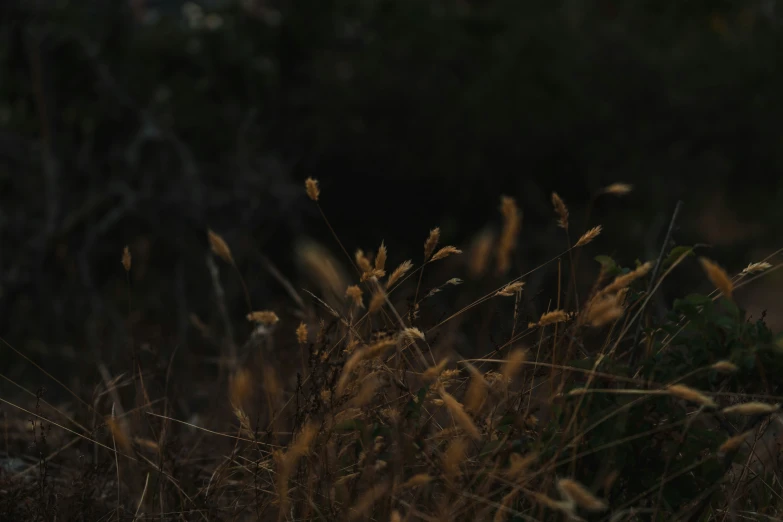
column 653, row 276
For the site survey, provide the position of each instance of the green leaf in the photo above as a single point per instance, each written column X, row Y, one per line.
column 676, row 253
column 696, row 299
column 607, row 263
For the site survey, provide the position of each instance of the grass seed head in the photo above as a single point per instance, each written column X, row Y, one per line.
column 311, row 187
column 733, row 443
column 373, row 274
column 561, row 210
column 580, row 495
column 126, row 259
column 618, row 189
column 689, row 394
column 304, row 441
column 453, row 457
column 725, row 367
column 514, row 362
column 511, row 289
column 501, row 515
column 412, row 333
column 367, row 500
column 377, row 301
column 369, row 352
column 433, row 372
column 301, row 333
column 589, row 236
column 480, row 253
column 623, row 281
column 366, row 393
column 602, row 309
column 752, row 408
column 119, row 432
column 512, row 223
column 564, row 506
column 362, row 262
column 418, row 480
column 398, row 273
column 718, row 277
column 264, row 317
column 321, row 267
column 380, row 258
column 244, row 423
column 519, row 464
column 755, row 267
column 355, row 293
column 553, row 317
column 219, row 247
column 240, row 388
column 431, row 243
column 477, row 392
column 445, row 252
column 461, row 418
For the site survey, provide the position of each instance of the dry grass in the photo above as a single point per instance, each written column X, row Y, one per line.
column 561, row 210
column 512, row 223
column 346, row 412
column 126, row 259
column 718, row 277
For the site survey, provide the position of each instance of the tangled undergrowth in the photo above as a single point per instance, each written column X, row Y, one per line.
column 358, row 405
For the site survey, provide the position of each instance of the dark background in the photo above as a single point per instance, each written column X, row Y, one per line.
column 146, row 122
